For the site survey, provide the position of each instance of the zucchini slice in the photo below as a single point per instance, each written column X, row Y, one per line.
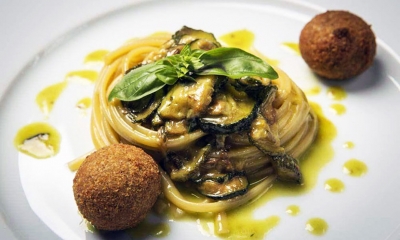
column 189, row 165
column 228, row 114
column 203, row 44
column 287, row 168
column 140, row 110
column 188, row 35
column 264, row 137
column 258, row 88
column 187, row 100
column 263, row 132
column 230, row 186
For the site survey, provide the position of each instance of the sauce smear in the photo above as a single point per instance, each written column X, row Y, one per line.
column 39, row 140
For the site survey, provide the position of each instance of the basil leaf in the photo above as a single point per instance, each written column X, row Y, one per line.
column 231, row 62
column 234, row 63
column 138, row 83
column 168, row 75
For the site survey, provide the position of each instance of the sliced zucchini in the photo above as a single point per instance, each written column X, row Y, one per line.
column 287, row 168
column 187, row 100
column 258, row 89
column 212, row 175
column 264, row 137
column 177, row 127
column 203, row 44
column 264, row 132
column 189, row 164
column 187, row 35
column 139, row 105
column 141, row 109
column 230, row 186
column 228, row 114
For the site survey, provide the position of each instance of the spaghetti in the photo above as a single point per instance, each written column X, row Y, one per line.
column 208, row 159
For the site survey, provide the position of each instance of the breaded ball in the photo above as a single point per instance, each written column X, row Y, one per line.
column 116, row 186
column 337, row 45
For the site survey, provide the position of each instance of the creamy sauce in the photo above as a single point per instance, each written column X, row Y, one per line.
column 348, row 145
column 96, row 56
column 336, row 93
column 355, row 168
column 294, row 47
column 316, row 226
column 46, row 98
column 334, row 185
column 338, row 109
column 90, row 75
column 39, row 140
column 293, row 210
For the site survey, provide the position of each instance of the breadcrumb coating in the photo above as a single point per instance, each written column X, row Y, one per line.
column 116, row 186
column 337, row 44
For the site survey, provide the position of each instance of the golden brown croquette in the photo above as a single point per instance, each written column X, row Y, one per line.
column 337, row 44
column 116, row 186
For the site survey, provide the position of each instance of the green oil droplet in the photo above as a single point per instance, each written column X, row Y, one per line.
column 313, row 91
column 336, row 93
column 90, row 75
column 334, row 185
column 241, row 39
column 96, row 56
column 84, row 103
column 293, row 210
column 348, row 145
column 39, row 140
column 47, row 97
column 317, row 226
column 355, row 168
column 338, row 109
column 292, row 46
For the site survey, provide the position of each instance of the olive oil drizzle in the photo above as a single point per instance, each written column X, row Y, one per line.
column 87, row 74
column 336, row 93
column 317, row 226
column 334, row 185
column 241, row 39
column 313, row 91
column 293, row 46
column 348, row 145
column 46, row 98
column 84, row 103
column 293, row 210
column 39, row 140
column 96, row 56
column 355, row 168
column 338, row 109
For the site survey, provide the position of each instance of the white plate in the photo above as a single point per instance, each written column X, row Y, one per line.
column 36, row 195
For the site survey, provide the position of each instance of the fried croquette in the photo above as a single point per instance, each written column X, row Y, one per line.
column 337, row 45
column 116, row 186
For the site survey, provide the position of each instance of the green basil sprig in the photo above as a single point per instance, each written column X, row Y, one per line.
column 231, row 62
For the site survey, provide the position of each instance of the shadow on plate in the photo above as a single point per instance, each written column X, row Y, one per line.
column 108, row 235
column 371, row 78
